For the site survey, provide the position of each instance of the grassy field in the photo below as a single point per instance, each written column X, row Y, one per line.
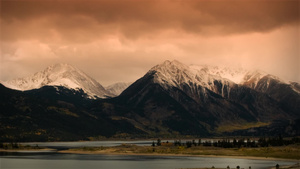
column 285, row 152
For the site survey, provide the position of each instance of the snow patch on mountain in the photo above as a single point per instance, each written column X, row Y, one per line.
column 235, row 75
column 60, row 75
column 252, row 78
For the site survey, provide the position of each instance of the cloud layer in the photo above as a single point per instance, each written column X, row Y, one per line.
column 128, row 37
column 136, row 19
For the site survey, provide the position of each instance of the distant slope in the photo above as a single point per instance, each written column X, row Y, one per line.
column 60, row 75
column 117, row 88
column 286, row 94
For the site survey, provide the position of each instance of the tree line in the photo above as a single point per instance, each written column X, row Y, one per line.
column 234, row 143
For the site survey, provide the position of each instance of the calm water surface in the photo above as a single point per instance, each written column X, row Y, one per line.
column 82, row 161
column 79, row 161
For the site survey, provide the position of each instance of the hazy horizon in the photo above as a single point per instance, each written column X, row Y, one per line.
column 119, row 41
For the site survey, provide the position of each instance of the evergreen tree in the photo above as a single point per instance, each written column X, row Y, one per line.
column 153, row 144
column 199, row 142
column 158, row 142
column 234, row 142
column 188, row 144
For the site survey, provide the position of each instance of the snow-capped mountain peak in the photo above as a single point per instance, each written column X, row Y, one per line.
column 171, row 67
column 60, row 75
column 175, row 74
column 203, row 74
column 172, row 73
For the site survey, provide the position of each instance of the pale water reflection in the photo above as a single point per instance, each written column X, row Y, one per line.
column 81, row 161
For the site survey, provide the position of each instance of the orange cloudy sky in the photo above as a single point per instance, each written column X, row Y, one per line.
column 120, row 40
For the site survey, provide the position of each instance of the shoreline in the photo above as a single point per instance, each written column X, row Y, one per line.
column 175, row 155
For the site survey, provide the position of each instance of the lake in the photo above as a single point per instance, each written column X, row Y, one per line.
column 82, row 161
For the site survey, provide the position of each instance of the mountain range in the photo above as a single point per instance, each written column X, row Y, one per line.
column 61, row 75
column 170, row 100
